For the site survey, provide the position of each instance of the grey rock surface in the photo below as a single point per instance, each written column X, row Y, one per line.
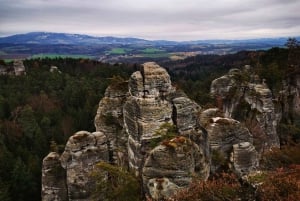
column 19, row 67
column 109, row 121
column 83, row 150
column 244, row 158
column 170, row 166
column 242, row 96
column 54, row 186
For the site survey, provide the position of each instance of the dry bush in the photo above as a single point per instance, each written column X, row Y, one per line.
column 223, row 187
column 281, row 184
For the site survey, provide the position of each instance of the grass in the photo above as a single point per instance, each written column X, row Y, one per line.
column 118, row 51
column 152, row 51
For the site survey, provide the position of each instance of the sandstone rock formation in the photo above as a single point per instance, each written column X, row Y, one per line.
column 242, row 96
column 54, row 69
column 83, row 150
column 147, row 126
column 19, row 67
column 145, row 110
column 244, row 158
column 229, row 141
column 53, row 179
column 68, row 177
column 109, row 120
column 152, row 103
column 172, row 165
column 289, row 98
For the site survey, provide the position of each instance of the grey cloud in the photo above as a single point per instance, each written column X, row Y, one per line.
column 156, row 19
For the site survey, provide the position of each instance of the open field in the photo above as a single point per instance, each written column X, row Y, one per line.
column 151, row 51
column 118, row 51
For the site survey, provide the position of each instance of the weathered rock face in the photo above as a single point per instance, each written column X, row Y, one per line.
column 185, row 113
column 109, row 120
column 244, row 158
column 132, row 116
column 289, row 98
column 146, row 110
column 172, row 165
column 152, row 103
column 54, row 186
column 83, row 150
column 224, row 134
column 243, row 97
column 19, row 67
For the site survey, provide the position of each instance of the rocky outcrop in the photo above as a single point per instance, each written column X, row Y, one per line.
column 109, row 120
column 289, row 98
column 242, row 96
column 131, row 132
column 148, row 127
column 153, row 103
column 54, row 186
column 54, row 69
column 145, row 110
column 229, row 140
column 68, row 177
column 171, row 166
column 244, row 158
column 19, row 67
column 83, row 150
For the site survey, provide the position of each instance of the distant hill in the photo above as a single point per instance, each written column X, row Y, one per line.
column 44, row 38
column 67, row 39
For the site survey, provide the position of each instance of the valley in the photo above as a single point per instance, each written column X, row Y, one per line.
column 115, row 50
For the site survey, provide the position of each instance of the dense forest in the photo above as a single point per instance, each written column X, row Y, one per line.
column 40, row 110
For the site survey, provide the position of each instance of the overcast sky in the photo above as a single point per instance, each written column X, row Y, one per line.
column 154, row 19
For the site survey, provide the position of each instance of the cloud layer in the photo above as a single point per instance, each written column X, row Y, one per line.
column 155, row 19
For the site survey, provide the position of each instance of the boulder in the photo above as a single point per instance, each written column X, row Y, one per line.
column 244, row 158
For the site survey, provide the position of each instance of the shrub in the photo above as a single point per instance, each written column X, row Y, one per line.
column 115, row 184
column 165, row 132
column 223, row 187
column 282, row 184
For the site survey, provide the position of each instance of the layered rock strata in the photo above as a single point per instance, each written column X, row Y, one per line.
column 171, row 166
column 68, row 177
column 242, row 96
column 230, row 141
column 244, row 158
column 53, row 179
column 145, row 125
column 146, row 110
column 109, row 120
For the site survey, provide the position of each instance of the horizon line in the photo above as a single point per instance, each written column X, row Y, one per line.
column 141, row 38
